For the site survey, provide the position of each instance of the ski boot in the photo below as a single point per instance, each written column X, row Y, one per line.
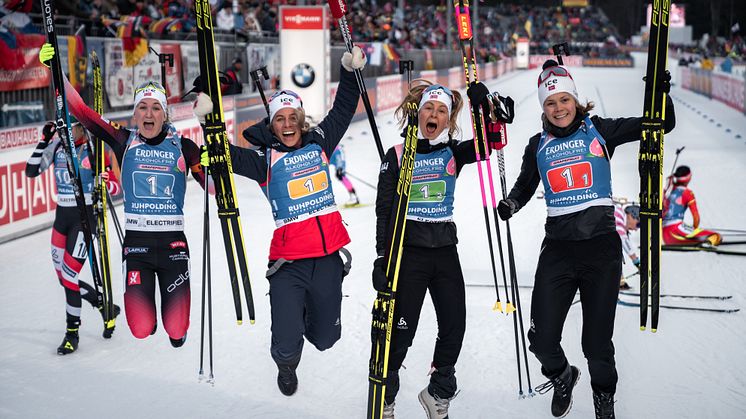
column 354, row 201
column 69, row 343
column 435, row 407
column 604, row 404
column 563, row 384
column 287, row 380
column 388, row 410
column 442, row 381
column 111, row 324
column 177, row 343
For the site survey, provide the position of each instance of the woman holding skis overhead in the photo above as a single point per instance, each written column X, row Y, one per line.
column 291, row 164
column 581, row 249
column 429, row 259
column 69, row 246
column 154, row 159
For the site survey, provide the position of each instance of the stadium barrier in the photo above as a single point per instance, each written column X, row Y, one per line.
column 726, row 88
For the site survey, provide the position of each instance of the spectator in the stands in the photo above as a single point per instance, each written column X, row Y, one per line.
column 224, row 18
column 234, row 85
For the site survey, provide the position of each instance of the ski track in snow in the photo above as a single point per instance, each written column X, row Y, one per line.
column 689, row 369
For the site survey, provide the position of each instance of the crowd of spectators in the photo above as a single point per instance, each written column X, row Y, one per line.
column 418, row 26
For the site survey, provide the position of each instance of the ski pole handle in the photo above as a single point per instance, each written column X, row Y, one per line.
column 406, row 66
column 559, row 50
column 261, row 71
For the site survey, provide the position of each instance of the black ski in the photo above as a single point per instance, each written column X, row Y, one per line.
column 685, row 296
column 710, row 249
column 221, row 169
column 68, row 142
column 100, row 201
column 651, row 164
column 710, row 310
column 383, row 306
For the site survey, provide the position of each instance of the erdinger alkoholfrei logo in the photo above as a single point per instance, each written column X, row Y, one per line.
column 303, row 75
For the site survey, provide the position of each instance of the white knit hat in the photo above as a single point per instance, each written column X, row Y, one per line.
column 556, row 79
column 283, row 99
column 438, row 93
column 151, row 90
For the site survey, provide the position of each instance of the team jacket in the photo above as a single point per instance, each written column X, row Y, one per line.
column 308, row 223
column 184, row 155
column 594, row 220
column 436, row 168
column 676, row 204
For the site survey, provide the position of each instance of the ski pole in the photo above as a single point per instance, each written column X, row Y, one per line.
column 206, row 285
column 361, row 181
column 255, row 76
column 164, row 59
column 339, row 9
column 115, row 219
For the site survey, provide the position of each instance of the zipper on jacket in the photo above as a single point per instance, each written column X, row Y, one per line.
column 321, row 231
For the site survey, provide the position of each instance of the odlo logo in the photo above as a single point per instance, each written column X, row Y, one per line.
column 180, row 280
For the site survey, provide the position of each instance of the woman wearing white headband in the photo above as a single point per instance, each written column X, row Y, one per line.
column 291, row 165
column 581, row 249
column 430, row 259
column 154, row 160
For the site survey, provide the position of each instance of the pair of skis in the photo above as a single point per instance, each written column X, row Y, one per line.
column 478, row 118
column 221, row 170
column 651, row 165
column 99, row 267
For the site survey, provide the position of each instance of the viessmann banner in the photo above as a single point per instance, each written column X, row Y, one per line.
column 304, row 56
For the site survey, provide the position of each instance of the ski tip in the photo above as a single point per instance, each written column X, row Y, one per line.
column 252, row 321
column 642, row 328
column 239, row 322
column 498, row 306
column 652, row 330
column 509, row 308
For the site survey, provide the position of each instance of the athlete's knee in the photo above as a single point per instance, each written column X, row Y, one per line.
column 326, row 340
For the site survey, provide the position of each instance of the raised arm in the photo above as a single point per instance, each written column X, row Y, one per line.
column 335, row 124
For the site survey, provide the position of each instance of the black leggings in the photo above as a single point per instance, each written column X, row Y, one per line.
column 439, row 271
column 592, row 266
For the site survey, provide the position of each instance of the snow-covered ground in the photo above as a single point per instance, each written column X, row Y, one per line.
column 691, row 368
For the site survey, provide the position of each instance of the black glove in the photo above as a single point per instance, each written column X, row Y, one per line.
column 507, row 207
column 636, row 262
column 477, row 93
column 340, row 173
column 380, row 282
column 48, row 131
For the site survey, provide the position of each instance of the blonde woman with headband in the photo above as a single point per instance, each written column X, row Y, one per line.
column 154, row 160
column 430, row 260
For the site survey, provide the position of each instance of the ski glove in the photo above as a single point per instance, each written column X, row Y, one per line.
column 48, row 131
column 636, row 262
column 204, row 157
column 380, row 282
column 477, row 93
column 355, row 60
column 665, row 85
column 494, row 136
column 46, row 53
column 201, row 107
column 507, row 207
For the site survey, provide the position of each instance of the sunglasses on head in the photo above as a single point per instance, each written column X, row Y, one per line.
column 150, row 85
column 284, row 92
column 438, row 87
column 553, row 71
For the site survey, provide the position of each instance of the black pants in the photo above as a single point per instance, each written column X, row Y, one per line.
column 165, row 256
column 306, row 300
column 439, row 271
column 593, row 266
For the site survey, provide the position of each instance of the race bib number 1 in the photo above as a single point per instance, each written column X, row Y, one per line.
column 568, row 178
column 308, row 185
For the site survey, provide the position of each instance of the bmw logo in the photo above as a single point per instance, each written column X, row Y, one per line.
column 303, row 75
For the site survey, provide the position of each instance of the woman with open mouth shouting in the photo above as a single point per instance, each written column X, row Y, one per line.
column 429, row 259
column 291, row 165
column 154, row 160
